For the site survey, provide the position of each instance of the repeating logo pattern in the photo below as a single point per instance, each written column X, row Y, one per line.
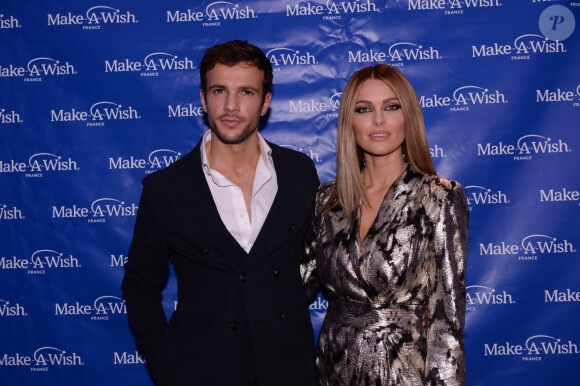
column 96, row 97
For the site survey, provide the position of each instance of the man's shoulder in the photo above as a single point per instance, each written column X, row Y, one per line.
column 291, row 157
column 296, row 169
column 182, row 165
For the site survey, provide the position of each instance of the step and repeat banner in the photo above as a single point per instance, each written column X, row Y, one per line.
column 98, row 94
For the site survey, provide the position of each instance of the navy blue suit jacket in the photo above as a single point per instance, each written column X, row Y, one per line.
column 240, row 316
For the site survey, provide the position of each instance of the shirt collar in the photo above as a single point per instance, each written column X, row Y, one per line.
column 265, row 154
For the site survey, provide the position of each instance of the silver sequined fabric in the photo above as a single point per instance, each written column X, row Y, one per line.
column 413, row 257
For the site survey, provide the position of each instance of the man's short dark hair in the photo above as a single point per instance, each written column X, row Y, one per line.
column 232, row 53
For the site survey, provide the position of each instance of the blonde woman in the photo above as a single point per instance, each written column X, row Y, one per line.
column 389, row 242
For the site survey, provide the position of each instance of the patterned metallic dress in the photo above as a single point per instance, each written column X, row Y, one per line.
column 412, row 258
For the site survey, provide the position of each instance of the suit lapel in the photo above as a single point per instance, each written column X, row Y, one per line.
column 195, row 192
column 277, row 227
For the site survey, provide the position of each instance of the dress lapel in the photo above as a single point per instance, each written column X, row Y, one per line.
column 403, row 188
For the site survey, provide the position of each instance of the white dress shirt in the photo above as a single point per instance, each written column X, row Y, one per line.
column 229, row 198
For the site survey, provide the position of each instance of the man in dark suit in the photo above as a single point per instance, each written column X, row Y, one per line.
column 231, row 217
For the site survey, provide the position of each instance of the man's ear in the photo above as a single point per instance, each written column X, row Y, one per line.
column 266, row 104
column 202, row 98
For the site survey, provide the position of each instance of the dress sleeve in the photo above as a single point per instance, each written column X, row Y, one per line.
column 146, row 273
column 445, row 349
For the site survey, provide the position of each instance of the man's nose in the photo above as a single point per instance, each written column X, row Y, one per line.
column 231, row 103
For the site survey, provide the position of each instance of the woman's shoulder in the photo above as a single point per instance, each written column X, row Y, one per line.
column 325, row 187
column 443, row 187
column 324, row 191
column 323, row 194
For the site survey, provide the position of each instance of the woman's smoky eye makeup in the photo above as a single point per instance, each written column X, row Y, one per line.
column 362, row 109
column 391, row 106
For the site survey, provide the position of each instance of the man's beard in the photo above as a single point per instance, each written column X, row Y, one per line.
column 248, row 130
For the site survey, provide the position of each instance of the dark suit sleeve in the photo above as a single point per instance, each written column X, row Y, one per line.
column 146, row 273
column 308, row 262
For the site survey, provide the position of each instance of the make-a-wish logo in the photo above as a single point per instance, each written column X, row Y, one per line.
column 407, row 51
column 479, row 295
column 561, row 296
column 40, row 262
column 451, row 7
column 37, row 69
column 9, row 310
column 99, row 211
column 312, row 106
column 151, row 64
column 118, row 260
column 529, row 248
column 319, row 304
column 480, row 195
column 533, row 349
column 305, row 150
column 464, row 97
column 560, row 195
column 38, row 164
column 128, row 358
column 397, row 54
column 283, row 57
column 9, row 22
column 437, row 152
column 8, row 117
column 10, row 213
column 185, row 110
column 525, row 147
column 521, row 49
column 93, row 18
column 331, row 10
column 42, row 359
column 101, row 308
column 559, row 95
column 213, row 14
column 157, row 159
column 97, row 115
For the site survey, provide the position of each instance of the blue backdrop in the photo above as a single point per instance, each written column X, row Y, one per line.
column 98, row 94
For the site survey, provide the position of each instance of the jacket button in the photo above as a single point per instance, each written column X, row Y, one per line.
column 204, row 251
column 291, row 227
column 234, row 325
column 276, row 272
column 243, row 277
column 280, row 315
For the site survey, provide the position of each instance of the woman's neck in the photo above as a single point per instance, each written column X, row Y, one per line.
column 381, row 172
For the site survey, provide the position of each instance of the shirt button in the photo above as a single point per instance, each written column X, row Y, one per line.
column 243, row 277
column 291, row 227
column 204, row 250
column 276, row 272
column 234, row 325
column 280, row 315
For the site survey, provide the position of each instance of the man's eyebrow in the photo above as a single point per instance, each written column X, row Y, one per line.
column 213, row 86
